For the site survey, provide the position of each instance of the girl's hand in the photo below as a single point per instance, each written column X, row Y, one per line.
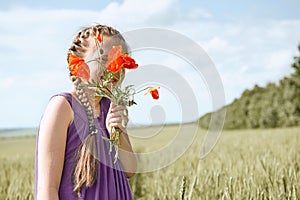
column 117, row 116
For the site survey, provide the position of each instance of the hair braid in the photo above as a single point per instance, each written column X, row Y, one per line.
column 85, row 170
column 82, row 97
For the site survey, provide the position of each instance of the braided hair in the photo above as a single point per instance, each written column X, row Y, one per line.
column 85, row 170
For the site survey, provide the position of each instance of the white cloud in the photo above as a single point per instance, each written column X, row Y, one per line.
column 279, row 60
column 198, row 13
column 215, row 44
column 135, row 13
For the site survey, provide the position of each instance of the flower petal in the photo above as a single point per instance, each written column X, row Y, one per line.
column 116, row 65
column 114, row 53
column 129, row 63
column 99, row 38
column 78, row 67
column 115, row 60
column 84, row 71
column 154, row 93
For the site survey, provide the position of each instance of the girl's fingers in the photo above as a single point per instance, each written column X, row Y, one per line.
column 117, row 117
column 117, row 121
column 115, row 108
column 117, row 125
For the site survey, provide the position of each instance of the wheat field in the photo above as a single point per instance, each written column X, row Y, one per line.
column 245, row 164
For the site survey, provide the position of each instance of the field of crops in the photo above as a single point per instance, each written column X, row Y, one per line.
column 245, row 164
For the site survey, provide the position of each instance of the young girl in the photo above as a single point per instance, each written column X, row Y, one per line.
column 73, row 161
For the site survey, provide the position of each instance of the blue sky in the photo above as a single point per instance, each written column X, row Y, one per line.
column 250, row 42
column 279, row 9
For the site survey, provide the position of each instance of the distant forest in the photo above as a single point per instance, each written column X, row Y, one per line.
column 275, row 105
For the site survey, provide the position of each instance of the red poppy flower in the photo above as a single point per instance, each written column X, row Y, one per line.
column 114, row 60
column 117, row 60
column 129, row 63
column 78, row 67
column 115, row 65
column 114, row 53
column 154, row 92
column 99, row 37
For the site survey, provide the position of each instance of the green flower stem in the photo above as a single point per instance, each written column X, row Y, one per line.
column 142, row 90
column 115, row 141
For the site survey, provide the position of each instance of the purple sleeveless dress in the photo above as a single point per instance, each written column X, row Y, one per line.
column 111, row 182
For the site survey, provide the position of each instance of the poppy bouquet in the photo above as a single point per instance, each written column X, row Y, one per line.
column 108, row 83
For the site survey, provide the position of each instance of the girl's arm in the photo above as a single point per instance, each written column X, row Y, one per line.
column 51, row 147
column 127, row 157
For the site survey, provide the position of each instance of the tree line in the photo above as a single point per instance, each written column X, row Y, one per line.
column 275, row 105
